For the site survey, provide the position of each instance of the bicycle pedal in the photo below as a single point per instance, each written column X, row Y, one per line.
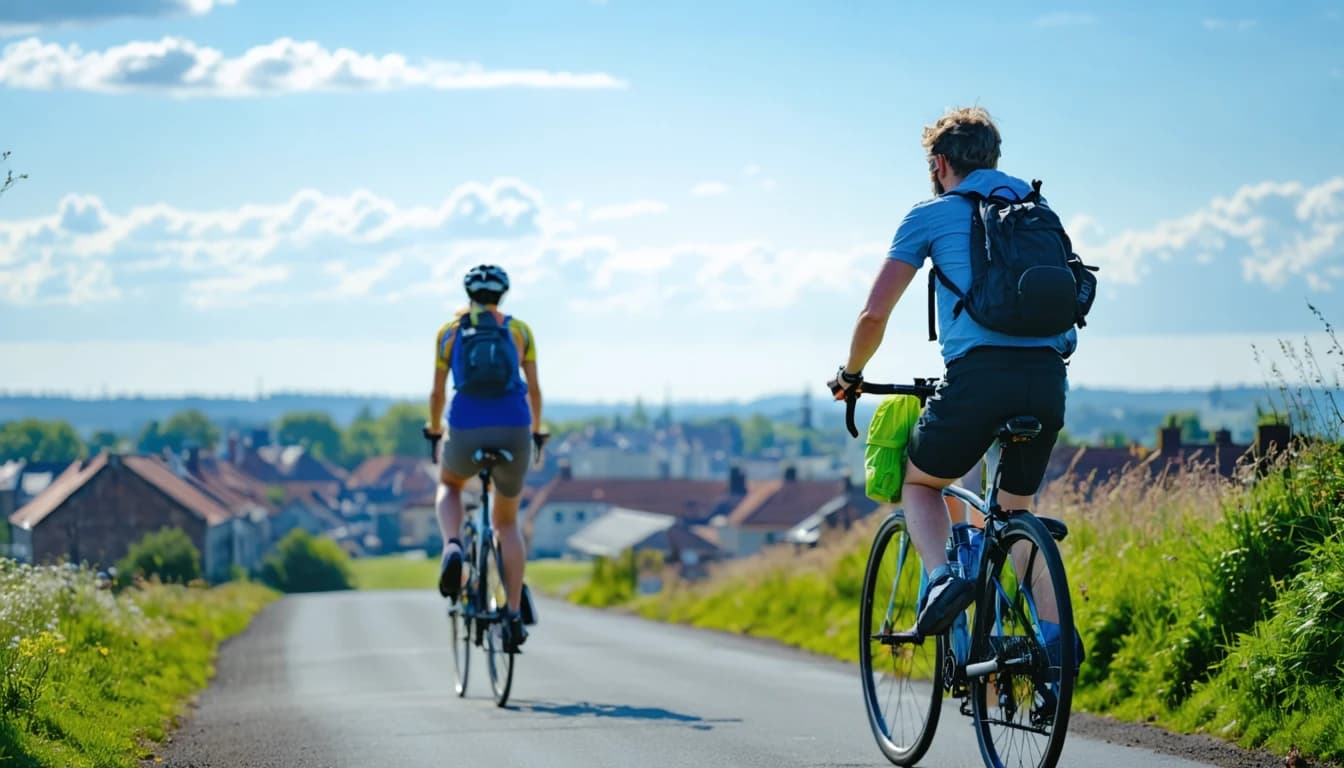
column 528, row 609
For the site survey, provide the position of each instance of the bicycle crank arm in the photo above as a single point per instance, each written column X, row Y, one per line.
column 993, row 666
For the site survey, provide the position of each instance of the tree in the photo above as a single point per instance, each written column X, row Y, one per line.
column 639, row 418
column 104, row 440
column 302, row 563
column 1191, row 430
column 38, row 440
column 758, row 435
column 399, row 430
column 10, row 178
column 1115, row 440
column 314, row 430
column 185, row 427
column 361, row 439
column 167, row 554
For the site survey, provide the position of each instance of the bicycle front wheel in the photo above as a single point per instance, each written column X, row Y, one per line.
column 498, row 659
column 1022, row 649
column 902, row 682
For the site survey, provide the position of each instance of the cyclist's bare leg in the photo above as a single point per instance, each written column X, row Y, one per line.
column 505, row 520
column 1046, row 607
column 448, row 506
column 926, row 515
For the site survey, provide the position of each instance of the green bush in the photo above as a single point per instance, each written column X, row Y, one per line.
column 167, row 555
column 302, row 563
column 612, row 582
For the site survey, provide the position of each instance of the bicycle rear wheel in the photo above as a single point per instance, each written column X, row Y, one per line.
column 461, row 633
column 1023, row 688
column 498, row 659
column 902, row 680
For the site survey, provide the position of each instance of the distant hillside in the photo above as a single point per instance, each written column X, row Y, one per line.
column 1091, row 412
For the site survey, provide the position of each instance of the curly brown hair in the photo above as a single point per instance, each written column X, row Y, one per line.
column 967, row 137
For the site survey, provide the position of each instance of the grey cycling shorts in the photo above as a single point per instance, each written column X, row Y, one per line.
column 460, row 449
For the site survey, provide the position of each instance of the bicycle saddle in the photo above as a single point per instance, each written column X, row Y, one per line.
column 491, row 456
column 1020, row 429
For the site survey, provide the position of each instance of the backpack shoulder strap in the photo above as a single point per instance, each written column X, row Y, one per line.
column 936, row 276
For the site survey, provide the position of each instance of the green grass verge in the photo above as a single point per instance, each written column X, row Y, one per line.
column 89, row 679
column 551, row 577
column 1205, row 606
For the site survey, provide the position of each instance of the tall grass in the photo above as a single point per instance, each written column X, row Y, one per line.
column 92, row 679
column 1205, row 603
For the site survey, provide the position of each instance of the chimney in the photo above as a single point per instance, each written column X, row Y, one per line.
column 790, row 474
column 1271, row 438
column 566, row 470
column 1169, row 441
column 1222, row 437
column 737, row 481
column 232, row 455
column 194, row 460
column 664, row 470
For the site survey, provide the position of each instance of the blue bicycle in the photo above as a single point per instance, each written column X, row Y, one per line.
column 1003, row 658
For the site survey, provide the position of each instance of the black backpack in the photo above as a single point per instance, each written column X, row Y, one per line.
column 1025, row 278
column 485, row 356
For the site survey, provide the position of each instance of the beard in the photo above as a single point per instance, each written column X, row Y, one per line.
column 937, row 185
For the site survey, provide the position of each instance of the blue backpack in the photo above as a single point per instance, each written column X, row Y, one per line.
column 485, row 357
column 1025, row 278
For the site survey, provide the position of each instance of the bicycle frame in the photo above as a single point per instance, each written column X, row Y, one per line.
column 474, row 526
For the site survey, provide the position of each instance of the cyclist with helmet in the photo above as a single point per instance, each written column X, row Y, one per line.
column 492, row 407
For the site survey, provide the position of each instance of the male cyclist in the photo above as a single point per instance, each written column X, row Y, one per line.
column 990, row 376
column 495, row 408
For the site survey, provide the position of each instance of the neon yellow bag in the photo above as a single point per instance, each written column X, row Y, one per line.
column 884, row 456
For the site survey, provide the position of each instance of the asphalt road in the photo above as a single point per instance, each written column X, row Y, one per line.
column 365, row 679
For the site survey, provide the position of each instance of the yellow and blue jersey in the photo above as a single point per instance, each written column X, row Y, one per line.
column 467, row 412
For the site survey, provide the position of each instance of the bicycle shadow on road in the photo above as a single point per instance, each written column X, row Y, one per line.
column 620, row 712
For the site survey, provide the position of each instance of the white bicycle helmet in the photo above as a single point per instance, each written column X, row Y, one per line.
column 486, row 284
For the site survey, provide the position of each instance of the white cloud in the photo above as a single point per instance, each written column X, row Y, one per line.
column 1218, row 23
column 177, row 66
column 19, row 17
column 709, row 189
column 323, row 244
column 631, row 210
column 1272, row 233
column 1065, row 19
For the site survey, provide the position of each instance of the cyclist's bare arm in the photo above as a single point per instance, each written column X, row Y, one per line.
column 890, row 284
column 533, row 393
column 438, row 400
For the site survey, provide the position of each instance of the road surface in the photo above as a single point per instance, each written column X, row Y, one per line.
column 365, row 679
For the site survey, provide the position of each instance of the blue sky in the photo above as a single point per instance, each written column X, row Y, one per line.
column 691, row 199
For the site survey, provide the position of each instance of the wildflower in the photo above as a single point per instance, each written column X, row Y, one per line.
column 103, row 650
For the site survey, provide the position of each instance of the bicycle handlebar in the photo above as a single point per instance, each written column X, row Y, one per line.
column 922, row 388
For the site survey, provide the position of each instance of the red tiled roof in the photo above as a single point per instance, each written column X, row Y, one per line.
column 683, row 499
column 75, row 476
column 229, row 485
column 782, row 504
column 188, row 494
column 412, row 475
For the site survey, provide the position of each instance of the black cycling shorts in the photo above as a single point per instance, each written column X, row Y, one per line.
column 980, row 392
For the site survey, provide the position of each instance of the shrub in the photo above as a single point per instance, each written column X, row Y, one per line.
column 167, row 555
column 302, row 563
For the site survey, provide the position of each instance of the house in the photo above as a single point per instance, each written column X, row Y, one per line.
column 772, row 510
column 97, row 508
column 1093, row 466
column 567, row 504
column 21, row 480
column 395, row 495
column 621, row 529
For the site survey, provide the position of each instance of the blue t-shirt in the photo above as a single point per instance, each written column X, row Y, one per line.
column 940, row 229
